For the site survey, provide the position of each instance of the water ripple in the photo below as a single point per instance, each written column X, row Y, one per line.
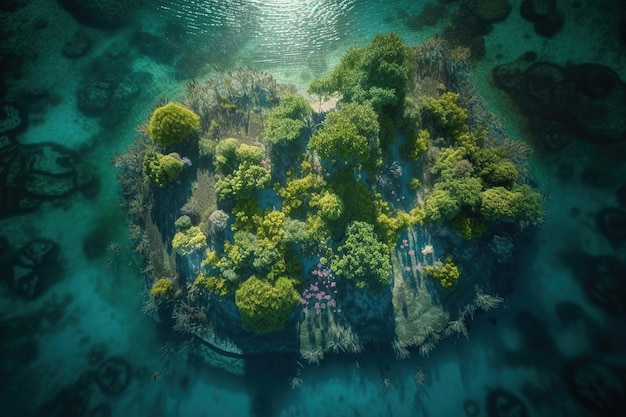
column 276, row 32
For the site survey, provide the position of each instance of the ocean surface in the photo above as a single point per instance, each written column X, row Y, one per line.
column 555, row 348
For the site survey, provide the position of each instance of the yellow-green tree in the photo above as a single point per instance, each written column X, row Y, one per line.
column 265, row 306
column 171, row 123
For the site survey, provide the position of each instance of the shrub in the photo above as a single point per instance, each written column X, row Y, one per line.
column 446, row 273
column 440, row 205
column 162, row 289
column 189, row 240
column 264, row 306
column 171, row 123
column 162, row 169
column 213, row 284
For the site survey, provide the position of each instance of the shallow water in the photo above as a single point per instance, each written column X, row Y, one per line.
column 53, row 345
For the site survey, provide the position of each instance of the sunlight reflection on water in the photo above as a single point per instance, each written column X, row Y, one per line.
column 276, row 32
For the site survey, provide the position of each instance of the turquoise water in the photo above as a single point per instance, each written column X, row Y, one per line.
column 53, row 345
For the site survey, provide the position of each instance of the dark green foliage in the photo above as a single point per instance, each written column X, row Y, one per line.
column 241, row 169
column 362, row 257
column 349, row 134
column 286, row 122
column 377, row 73
column 171, row 123
column 265, row 306
column 440, row 205
column 162, row 169
column 446, row 114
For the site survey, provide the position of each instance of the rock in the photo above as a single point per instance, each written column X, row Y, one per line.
column 33, row 268
column 490, row 10
column 77, row 45
column 621, row 195
column 114, row 375
column 604, row 284
column 103, row 13
column 501, row 403
column 93, row 97
column 585, row 101
column 596, row 386
column 544, row 16
column 611, row 223
column 13, row 119
column 32, row 173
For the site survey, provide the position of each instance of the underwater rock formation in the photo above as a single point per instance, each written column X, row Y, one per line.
column 103, row 13
column 585, row 100
column 544, row 15
column 31, row 174
column 33, row 268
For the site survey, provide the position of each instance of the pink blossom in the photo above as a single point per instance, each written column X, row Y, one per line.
column 323, row 305
column 332, row 303
column 332, row 284
column 302, row 301
column 305, row 310
column 317, row 306
column 411, row 252
column 407, row 268
column 327, row 297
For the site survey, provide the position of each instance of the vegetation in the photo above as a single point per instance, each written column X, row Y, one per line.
column 162, row 169
column 447, row 273
column 287, row 121
column 341, row 197
column 377, row 73
column 264, row 306
column 362, row 257
column 171, row 123
column 162, row 289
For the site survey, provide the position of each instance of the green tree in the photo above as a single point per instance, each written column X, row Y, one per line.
column 446, row 114
column 286, row 122
column 329, row 205
column 440, row 205
column 349, row 134
column 242, row 182
column 362, row 257
column 162, row 169
column 264, row 306
column 171, row 123
column 377, row 73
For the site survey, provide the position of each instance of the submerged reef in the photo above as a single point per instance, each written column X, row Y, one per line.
column 383, row 208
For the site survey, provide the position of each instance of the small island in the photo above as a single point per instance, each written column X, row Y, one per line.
column 385, row 207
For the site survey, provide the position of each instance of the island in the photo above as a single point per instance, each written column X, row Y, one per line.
column 384, row 207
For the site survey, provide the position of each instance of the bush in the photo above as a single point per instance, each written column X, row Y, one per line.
column 265, row 307
column 446, row 114
column 171, row 123
column 446, row 273
column 189, row 240
column 162, row 169
column 162, row 289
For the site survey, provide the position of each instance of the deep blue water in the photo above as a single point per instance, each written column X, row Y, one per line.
column 556, row 347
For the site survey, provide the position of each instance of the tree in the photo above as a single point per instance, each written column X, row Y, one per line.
column 162, row 169
column 171, row 123
column 265, row 307
column 446, row 114
column 285, row 122
column 362, row 257
column 440, row 205
column 329, row 205
column 377, row 73
column 349, row 134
